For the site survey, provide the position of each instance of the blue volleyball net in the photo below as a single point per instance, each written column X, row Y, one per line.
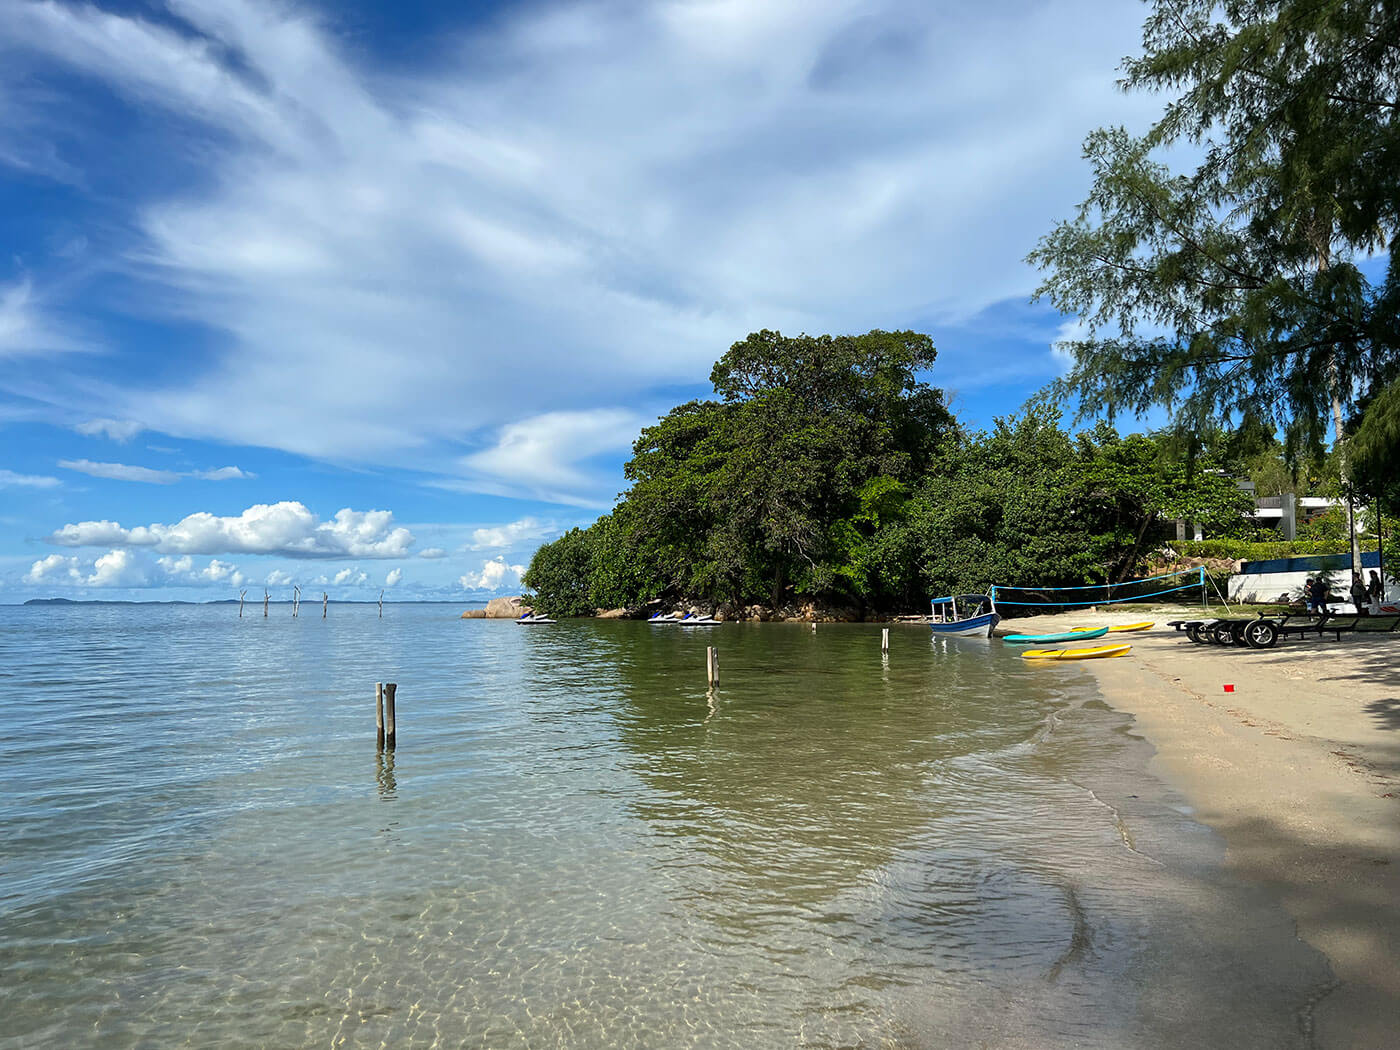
column 1182, row 580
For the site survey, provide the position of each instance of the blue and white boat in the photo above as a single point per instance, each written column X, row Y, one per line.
column 971, row 615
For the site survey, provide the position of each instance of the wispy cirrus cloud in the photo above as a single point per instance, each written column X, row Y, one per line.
column 10, row 479
column 567, row 208
column 121, row 430
column 149, row 475
column 288, row 529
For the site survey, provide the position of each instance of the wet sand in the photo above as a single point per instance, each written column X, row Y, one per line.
column 1298, row 768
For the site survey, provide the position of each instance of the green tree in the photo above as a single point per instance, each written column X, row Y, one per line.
column 560, row 575
column 1234, row 288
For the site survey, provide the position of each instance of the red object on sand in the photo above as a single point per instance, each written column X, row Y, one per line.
column 1229, row 689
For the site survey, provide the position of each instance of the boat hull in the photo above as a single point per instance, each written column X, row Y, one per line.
column 974, row 626
column 1097, row 652
column 1065, row 636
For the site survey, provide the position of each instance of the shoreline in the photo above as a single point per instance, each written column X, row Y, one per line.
column 1298, row 769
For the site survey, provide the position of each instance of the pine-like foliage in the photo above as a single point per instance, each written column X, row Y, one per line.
column 1233, row 289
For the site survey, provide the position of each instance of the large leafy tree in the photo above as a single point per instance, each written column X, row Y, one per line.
column 1234, row 288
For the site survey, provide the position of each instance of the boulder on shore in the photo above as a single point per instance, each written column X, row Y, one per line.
column 506, row 608
column 474, row 614
column 610, row 614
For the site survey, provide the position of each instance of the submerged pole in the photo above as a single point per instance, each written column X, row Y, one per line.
column 241, row 596
column 390, row 720
column 379, row 715
column 885, row 640
column 325, row 599
column 266, row 596
column 712, row 664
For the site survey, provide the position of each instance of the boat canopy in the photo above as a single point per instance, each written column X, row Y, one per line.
column 961, row 606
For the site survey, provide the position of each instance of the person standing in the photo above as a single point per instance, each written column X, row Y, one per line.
column 1359, row 596
column 1376, row 591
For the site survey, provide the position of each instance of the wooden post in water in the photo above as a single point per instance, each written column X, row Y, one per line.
column 241, row 595
column 381, row 605
column 390, row 722
column 379, row 715
column 712, row 664
column 266, row 596
column 325, row 600
column 885, row 640
column 296, row 601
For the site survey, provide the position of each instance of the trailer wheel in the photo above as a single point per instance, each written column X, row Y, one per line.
column 1237, row 636
column 1193, row 631
column 1261, row 634
column 1222, row 634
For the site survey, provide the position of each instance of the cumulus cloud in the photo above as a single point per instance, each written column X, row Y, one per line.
column 114, row 429
column 148, row 475
column 286, row 528
column 127, row 568
column 573, row 204
column 278, row 578
column 432, row 553
column 393, row 578
column 54, row 569
column 352, row 577
column 494, row 576
column 8, row 478
column 523, row 531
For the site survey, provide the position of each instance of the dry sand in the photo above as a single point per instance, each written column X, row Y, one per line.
column 1299, row 769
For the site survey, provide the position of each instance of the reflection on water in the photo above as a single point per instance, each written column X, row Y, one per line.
column 588, row 846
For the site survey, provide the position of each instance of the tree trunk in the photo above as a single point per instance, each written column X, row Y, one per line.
column 779, row 580
column 1324, row 260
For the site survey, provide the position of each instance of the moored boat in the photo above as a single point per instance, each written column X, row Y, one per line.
column 1092, row 653
column 533, row 618
column 1063, row 636
column 964, row 615
column 1083, row 632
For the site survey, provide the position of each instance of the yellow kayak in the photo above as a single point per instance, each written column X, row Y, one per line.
column 1075, row 654
column 1122, row 627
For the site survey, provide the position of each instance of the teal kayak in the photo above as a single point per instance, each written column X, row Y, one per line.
column 1067, row 636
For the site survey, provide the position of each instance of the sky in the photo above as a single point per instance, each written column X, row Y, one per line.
column 364, row 296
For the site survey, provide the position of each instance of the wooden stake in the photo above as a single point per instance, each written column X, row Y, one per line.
column 390, row 722
column 325, row 600
column 296, row 601
column 266, row 596
column 885, row 640
column 379, row 715
column 381, row 605
column 712, row 664
column 241, row 595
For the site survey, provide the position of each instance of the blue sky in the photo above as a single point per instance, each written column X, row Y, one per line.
column 365, row 295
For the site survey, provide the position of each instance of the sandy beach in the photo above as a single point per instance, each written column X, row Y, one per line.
column 1298, row 768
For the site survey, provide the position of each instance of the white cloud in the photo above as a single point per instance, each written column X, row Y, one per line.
column 523, row 531
column 432, row 553
column 54, row 569
column 353, row 577
column 278, row 578
column 8, row 478
column 126, row 472
column 494, row 576
column 122, row 568
column 220, row 474
column 114, row 429
column 547, row 456
column 28, row 330
column 118, row 568
column 393, row 578
column 120, row 471
column 571, row 206
column 286, row 528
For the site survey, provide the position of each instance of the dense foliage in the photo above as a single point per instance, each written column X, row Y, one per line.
column 826, row 468
column 1235, row 288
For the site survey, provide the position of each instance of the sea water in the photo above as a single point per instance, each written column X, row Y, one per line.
column 577, row 843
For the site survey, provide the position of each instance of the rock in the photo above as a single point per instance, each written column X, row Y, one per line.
column 506, row 608
column 610, row 614
column 474, row 614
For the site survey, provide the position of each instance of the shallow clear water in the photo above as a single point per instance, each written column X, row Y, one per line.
column 576, row 844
